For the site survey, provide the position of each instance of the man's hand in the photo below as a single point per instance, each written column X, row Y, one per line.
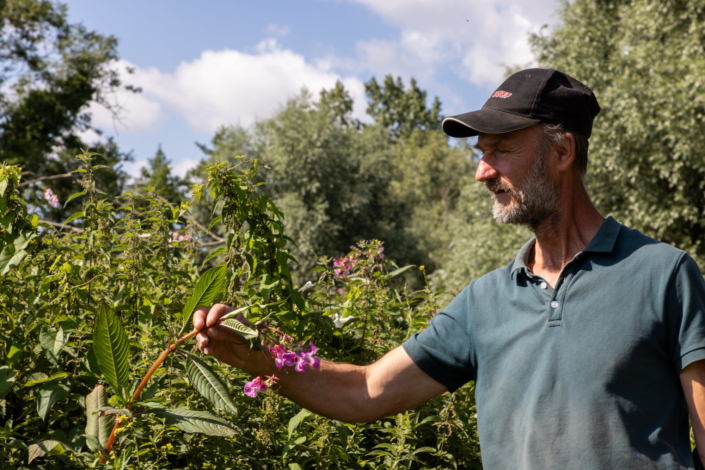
column 223, row 343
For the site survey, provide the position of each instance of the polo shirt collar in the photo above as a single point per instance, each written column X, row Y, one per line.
column 603, row 242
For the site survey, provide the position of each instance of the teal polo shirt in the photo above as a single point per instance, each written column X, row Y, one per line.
column 583, row 376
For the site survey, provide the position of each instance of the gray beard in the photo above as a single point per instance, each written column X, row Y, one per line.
column 533, row 202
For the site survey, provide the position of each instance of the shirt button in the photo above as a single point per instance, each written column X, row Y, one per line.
column 554, row 304
column 544, row 285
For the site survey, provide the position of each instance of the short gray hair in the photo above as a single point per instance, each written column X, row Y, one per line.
column 554, row 134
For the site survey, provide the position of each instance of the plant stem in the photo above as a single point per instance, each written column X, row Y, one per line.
column 162, row 357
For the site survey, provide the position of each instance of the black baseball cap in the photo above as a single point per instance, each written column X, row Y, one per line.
column 527, row 98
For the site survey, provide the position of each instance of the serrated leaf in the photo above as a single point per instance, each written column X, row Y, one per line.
column 10, row 258
column 73, row 217
column 98, row 427
column 52, row 342
column 72, row 197
column 208, row 384
column 213, row 254
column 423, row 449
column 296, row 420
column 196, row 421
column 207, row 287
column 237, row 326
column 215, row 221
column 46, row 398
column 48, row 447
column 7, row 378
column 111, row 348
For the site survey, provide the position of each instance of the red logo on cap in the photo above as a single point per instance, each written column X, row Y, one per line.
column 501, row 94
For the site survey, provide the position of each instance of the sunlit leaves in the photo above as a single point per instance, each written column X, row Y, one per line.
column 47, row 397
column 196, row 421
column 52, row 342
column 48, row 447
column 97, row 426
column 207, row 288
column 208, row 384
column 111, row 348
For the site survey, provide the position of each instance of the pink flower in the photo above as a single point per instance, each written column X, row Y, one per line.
column 306, row 357
column 255, row 386
column 51, row 198
column 282, row 357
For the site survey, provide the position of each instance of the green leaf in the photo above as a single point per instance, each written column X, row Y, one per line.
column 98, row 427
column 244, row 331
column 215, row 221
column 93, row 443
column 207, row 287
column 213, row 254
column 294, row 466
column 399, row 271
column 47, row 397
column 73, row 196
column 296, row 420
column 52, row 342
column 7, row 378
column 208, row 384
column 73, row 217
column 48, row 447
column 3, row 187
column 423, row 449
column 111, row 348
column 58, row 375
column 196, row 421
column 10, row 258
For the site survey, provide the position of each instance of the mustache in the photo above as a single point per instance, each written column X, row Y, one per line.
column 495, row 185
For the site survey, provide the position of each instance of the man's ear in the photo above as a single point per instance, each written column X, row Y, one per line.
column 565, row 154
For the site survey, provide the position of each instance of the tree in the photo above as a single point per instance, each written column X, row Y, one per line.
column 645, row 60
column 399, row 110
column 50, row 71
column 159, row 177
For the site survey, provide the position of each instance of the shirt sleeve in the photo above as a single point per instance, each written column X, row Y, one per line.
column 686, row 313
column 444, row 350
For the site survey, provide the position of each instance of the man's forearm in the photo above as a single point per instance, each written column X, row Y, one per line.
column 353, row 393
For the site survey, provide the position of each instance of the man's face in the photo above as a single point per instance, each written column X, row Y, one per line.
column 515, row 170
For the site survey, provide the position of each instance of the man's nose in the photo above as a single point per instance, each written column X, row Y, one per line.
column 485, row 171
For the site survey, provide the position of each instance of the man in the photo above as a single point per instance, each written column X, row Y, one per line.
column 586, row 351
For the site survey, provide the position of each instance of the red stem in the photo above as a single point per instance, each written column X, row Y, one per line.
column 162, row 357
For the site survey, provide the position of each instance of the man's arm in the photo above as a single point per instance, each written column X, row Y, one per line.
column 339, row 391
column 693, row 382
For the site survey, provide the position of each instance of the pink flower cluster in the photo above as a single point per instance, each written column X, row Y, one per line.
column 51, row 198
column 299, row 360
column 180, row 237
column 344, row 265
column 284, row 357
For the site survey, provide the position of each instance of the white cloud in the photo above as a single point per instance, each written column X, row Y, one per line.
column 133, row 112
column 225, row 87
column 475, row 38
column 183, row 166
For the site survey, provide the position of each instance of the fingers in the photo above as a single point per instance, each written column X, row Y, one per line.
column 220, row 333
column 199, row 317
column 215, row 312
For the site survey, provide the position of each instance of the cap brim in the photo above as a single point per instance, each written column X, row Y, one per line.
column 487, row 121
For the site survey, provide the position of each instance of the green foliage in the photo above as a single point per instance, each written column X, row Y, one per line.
column 644, row 60
column 98, row 304
column 399, row 110
column 159, row 177
column 50, row 71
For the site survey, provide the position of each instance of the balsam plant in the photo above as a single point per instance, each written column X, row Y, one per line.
column 97, row 369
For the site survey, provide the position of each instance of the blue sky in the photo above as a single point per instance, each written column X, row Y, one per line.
column 206, row 64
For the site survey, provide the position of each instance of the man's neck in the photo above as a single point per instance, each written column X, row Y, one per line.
column 568, row 232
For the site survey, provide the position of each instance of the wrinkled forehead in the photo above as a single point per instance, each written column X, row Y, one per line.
column 519, row 137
